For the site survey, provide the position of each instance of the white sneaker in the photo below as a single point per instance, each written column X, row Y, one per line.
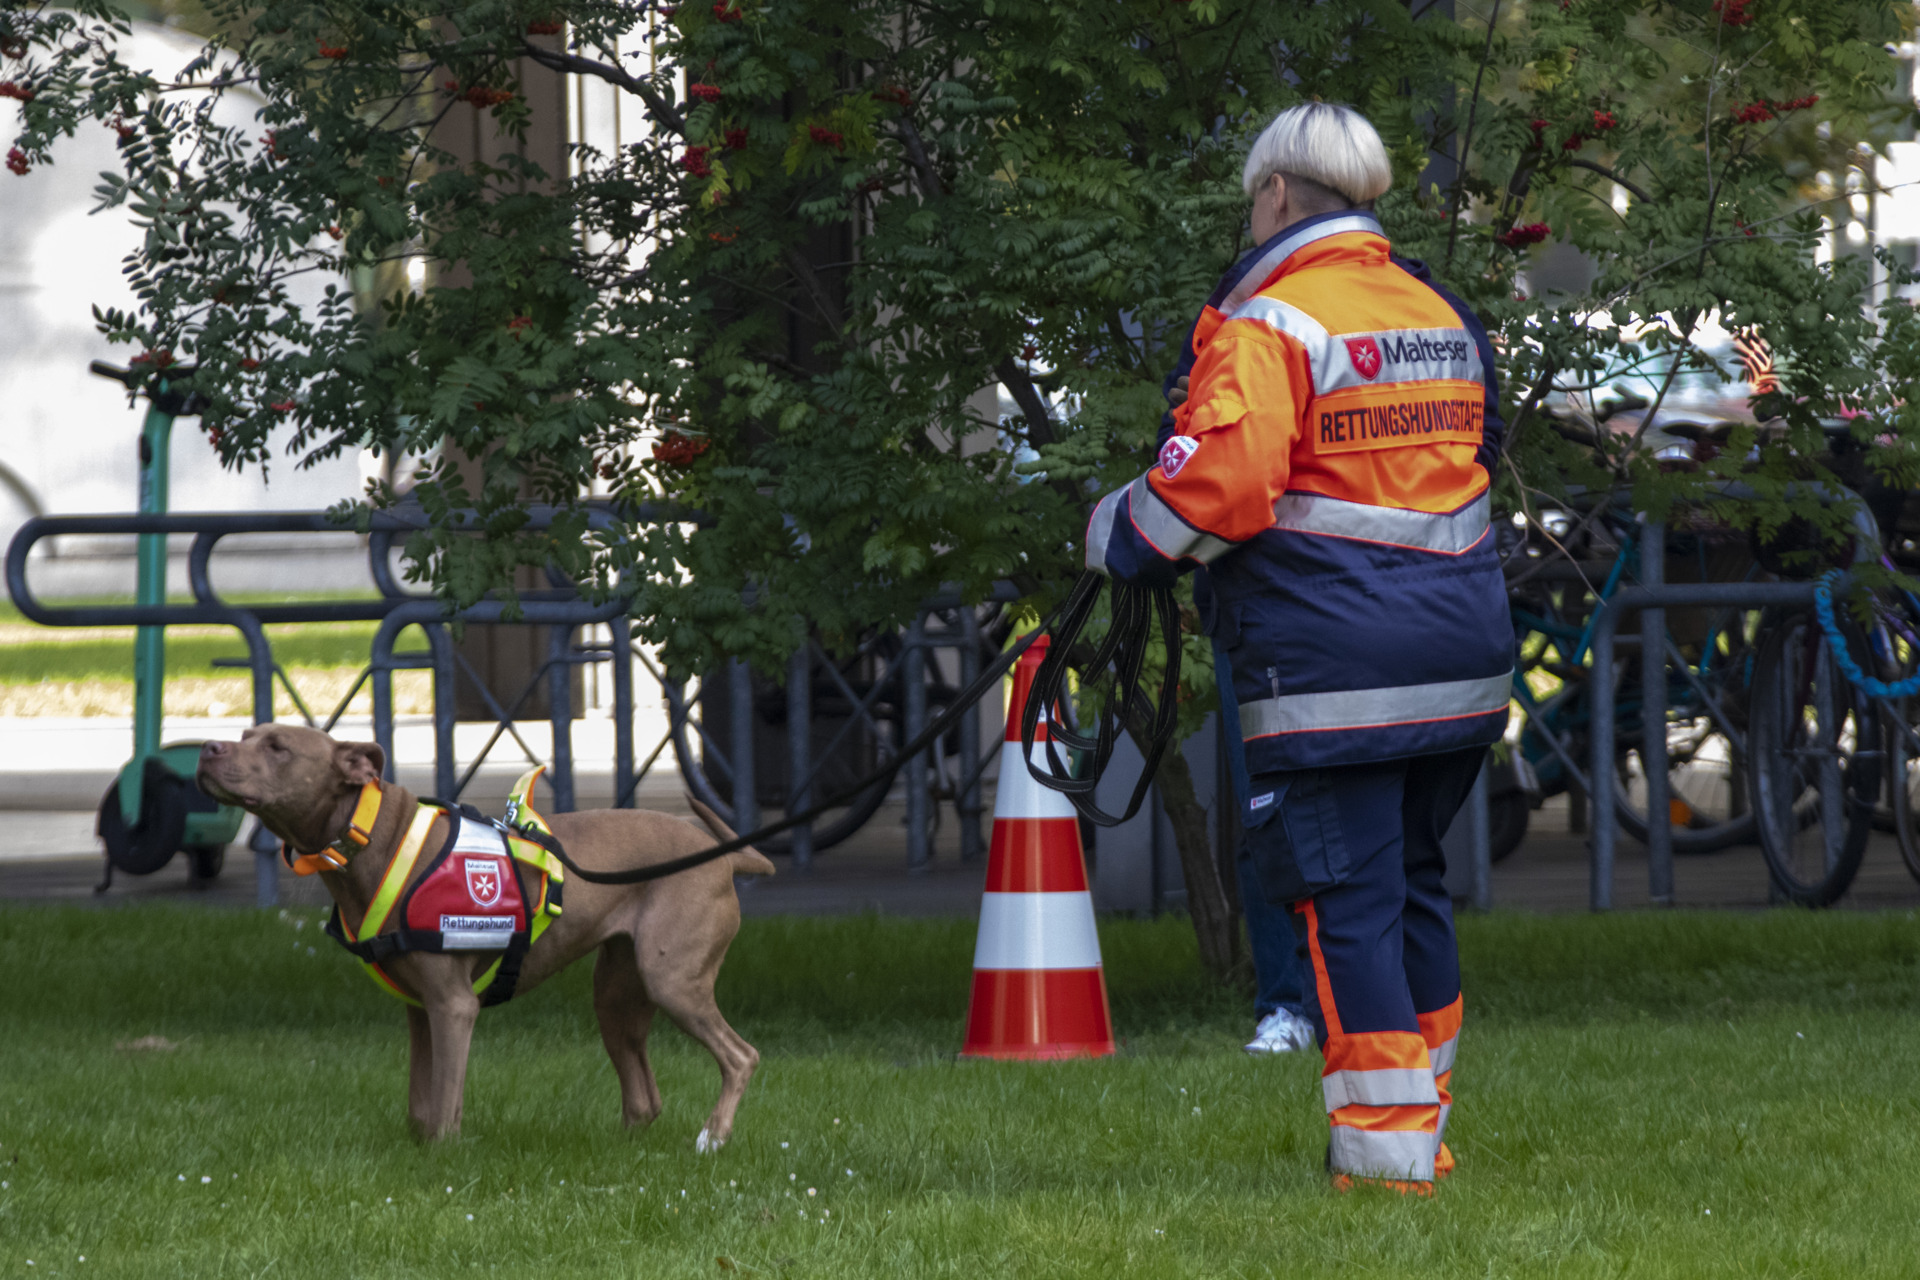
column 1281, row 1032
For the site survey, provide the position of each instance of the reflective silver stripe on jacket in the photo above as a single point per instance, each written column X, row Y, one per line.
column 1406, row 355
column 1371, row 708
column 1100, row 531
column 1384, row 1087
column 1448, row 533
column 1171, row 536
column 1256, row 275
column 1383, row 1153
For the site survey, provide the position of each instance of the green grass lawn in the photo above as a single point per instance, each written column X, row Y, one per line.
column 330, row 645
column 49, row 654
column 1647, row 1095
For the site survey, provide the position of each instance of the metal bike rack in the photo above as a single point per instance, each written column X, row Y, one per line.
column 1652, row 600
column 906, row 670
column 563, row 611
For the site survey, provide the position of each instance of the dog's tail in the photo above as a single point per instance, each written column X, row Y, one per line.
column 745, row 862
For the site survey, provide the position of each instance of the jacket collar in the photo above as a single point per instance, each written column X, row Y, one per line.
column 1259, row 266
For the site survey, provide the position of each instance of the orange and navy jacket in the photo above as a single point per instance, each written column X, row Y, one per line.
column 1329, row 467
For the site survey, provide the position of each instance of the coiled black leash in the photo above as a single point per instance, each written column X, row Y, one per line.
column 1134, row 609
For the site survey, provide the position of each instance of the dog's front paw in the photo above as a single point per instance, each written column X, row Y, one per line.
column 706, row 1145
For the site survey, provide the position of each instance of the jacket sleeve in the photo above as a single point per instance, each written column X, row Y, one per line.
column 1217, row 479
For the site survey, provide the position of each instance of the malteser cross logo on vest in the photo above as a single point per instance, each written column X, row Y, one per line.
column 1365, row 354
column 1174, row 454
column 484, row 881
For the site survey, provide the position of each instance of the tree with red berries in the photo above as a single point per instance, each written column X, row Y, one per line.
column 780, row 305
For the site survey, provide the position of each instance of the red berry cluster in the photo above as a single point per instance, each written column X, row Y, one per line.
column 1734, row 12
column 1521, row 237
column 334, row 51
column 1574, row 142
column 479, row 95
column 895, row 94
column 826, row 137
column 696, row 163
column 122, row 128
column 11, row 89
column 726, row 11
column 736, row 139
column 545, row 27
column 1760, row 109
column 519, row 324
column 249, row 364
column 1603, row 121
column 678, row 449
column 282, row 406
column 159, row 358
column 704, row 92
column 12, row 47
column 17, row 161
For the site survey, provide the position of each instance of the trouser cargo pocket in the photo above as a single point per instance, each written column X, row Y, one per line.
column 1293, row 834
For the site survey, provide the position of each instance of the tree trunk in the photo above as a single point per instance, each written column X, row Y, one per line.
column 1215, row 923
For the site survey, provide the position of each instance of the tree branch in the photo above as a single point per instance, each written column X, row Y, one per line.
column 1027, row 396
column 658, row 107
column 1466, row 140
column 917, row 157
column 817, row 293
column 1605, row 172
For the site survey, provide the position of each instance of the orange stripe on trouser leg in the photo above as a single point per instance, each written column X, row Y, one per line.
column 1322, row 983
column 1384, row 1142
column 1382, row 1108
column 1441, row 1030
column 1442, row 1024
column 1377, row 1051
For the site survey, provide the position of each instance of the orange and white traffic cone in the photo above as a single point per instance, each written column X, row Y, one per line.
column 1038, row 990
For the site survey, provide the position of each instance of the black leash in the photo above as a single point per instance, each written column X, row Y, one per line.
column 962, row 703
column 1125, row 647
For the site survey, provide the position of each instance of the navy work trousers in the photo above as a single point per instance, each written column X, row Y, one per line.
column 1355, row 851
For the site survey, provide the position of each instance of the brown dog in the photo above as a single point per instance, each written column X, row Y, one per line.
column 660, row 942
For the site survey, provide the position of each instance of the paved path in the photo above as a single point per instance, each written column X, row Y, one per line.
column 53, row 856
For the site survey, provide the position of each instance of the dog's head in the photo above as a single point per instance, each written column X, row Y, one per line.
column 298, row 781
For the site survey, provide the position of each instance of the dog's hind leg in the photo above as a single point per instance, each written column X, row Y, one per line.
column 419, row 1069
column 687, row 997
column 620, row 1002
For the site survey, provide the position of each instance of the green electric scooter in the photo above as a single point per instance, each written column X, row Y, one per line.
column 153, row 810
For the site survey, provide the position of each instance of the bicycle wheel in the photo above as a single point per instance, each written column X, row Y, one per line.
column 1813, row 766
column 1706, row 788
column 1903, row 784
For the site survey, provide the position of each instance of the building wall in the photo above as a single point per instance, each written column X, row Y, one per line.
column 68, row 439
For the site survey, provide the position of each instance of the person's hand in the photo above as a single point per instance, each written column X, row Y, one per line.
column 1178, row 396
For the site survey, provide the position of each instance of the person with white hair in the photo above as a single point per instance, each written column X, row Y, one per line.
column 1326, row 468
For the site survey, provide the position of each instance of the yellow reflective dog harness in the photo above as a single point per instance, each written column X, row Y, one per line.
column 491, row 886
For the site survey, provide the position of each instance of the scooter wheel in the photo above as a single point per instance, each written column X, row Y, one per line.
column 151, row 842
column 206, row 860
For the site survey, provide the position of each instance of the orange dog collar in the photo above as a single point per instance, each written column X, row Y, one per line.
column 334, row 856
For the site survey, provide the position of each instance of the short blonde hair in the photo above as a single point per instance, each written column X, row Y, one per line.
column 1324, row 143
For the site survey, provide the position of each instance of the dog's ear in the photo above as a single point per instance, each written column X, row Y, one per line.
column 359, row 762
